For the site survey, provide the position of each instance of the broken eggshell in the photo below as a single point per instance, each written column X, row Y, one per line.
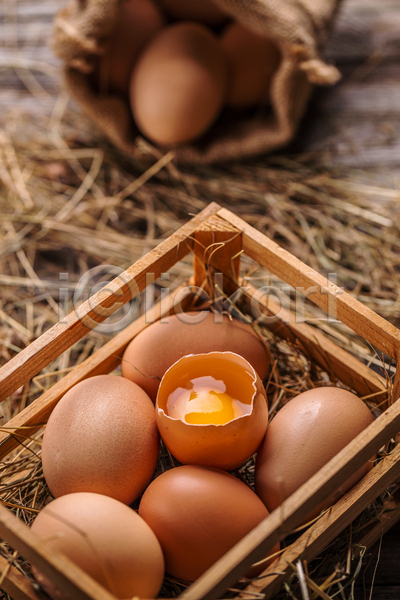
column 225, row 445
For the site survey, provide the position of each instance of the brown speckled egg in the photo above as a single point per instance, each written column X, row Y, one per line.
column 101, row 437
column 304, row 435
column 138, row 21
column 252, row 61
column 178, row 84
column 105, row 538
column 160, row 345
column 204, row 11
column 198, row 514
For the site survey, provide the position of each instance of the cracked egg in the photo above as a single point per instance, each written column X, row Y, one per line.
column 212, row 409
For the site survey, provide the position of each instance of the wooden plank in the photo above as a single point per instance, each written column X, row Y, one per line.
column 295, row 509
column 104, row 360
column 327, row 296
column 367, row 99
column 96, row 309
column 15, row 583
column 323, row 531
column 339, row 363
column 64, row 573
column 217, row 246
column 396, row 384
column 362, row 28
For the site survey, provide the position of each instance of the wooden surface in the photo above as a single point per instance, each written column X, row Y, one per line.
column 356, row 123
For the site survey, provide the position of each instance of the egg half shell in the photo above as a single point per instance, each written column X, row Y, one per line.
column 159, row 346
column 224, row 446
column 105, row 538
column 198, row 514
column 101, row 437
column 304, row 435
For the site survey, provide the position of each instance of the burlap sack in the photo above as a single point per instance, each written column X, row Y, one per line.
column 298, row 27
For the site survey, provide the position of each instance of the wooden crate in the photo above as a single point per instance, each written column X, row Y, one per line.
column 218, row 238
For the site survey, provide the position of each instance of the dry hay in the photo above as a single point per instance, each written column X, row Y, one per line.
column 70, row 202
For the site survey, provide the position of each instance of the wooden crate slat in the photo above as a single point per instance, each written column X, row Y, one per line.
column 396, row 382
column 331, row 524
column 350, row 311
column 295, row 509
column 15, row 583
column 330, row 357
column 63, row 572
column 217, row 247
column 96, row 309
column 104, row 360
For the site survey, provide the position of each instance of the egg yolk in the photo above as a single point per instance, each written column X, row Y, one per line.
column 204, row 404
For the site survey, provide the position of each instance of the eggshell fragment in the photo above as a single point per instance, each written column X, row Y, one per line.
column 160, row 345
column 101, row 437
column 138, row 21
column 224, row 446
column 105, row 538
column 198, row 514
column 304, row 435
column 252, row 61
column 204, row 11
column 178, row 84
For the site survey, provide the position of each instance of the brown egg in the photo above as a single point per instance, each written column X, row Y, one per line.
column 212, row 410
column 198, row 514
column 160, row 345
column 253, row 61
column 101, row 437
column 204, row 11
column 304, row 435
column 178, row 84
column 105, row 538
column 138, row 21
